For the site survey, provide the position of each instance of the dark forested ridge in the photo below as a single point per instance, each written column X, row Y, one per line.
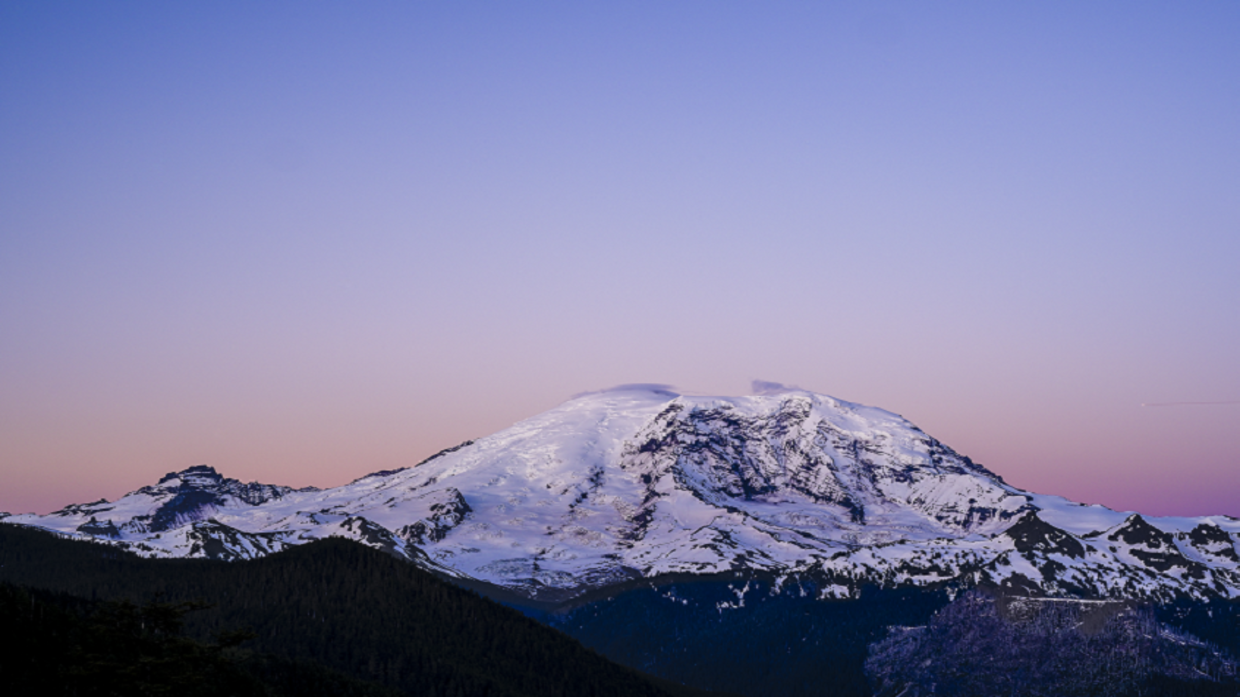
column 747, row 636
column 334, row 603
column 61, row 644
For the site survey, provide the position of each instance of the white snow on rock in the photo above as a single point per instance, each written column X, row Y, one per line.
column 639, row 482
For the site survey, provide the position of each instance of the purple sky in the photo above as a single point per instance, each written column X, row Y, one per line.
column 302, row 242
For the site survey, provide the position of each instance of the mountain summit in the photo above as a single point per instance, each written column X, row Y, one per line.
column 639, row 482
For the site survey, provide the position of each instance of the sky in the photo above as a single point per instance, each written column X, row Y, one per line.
column 301, row 242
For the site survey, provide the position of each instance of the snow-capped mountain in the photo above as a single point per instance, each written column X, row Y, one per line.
column 640, row 482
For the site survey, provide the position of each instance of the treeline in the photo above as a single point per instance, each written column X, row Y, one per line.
column 785, row 643
column 336, row 604
column 59, row 644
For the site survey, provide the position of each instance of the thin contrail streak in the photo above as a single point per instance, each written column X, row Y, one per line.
column 1182, row 404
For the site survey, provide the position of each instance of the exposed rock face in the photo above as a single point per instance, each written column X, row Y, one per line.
column 1033, row 535
column 447, row 510
column 94, row 528
column 1153, row 547
column 643, row 483
column 1212, row 543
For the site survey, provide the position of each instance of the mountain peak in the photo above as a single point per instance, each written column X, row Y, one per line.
column 198, row 474
column 643, row 388
column 1030, row 533
column 642, row 481
column 765, row 387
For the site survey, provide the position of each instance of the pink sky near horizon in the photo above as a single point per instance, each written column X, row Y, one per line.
column 304, row 244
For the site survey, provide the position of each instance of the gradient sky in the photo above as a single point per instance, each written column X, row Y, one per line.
column 305, row 241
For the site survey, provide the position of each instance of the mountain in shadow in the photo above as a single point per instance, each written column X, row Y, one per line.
column 337, row 604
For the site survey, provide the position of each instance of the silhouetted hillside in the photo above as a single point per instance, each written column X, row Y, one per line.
column 341, row 605
column 60, row 644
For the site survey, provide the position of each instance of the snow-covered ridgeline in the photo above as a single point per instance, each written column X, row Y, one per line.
column 641, row 482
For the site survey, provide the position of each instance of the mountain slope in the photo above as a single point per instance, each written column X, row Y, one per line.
column 1026, row 647
column 89, row 648
column 640, row 483
column 342, row 605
